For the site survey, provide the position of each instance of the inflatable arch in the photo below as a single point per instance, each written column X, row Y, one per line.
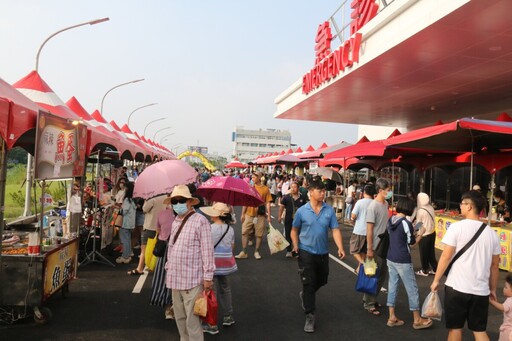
column 205, row 161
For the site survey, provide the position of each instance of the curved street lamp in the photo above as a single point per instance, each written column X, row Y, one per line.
column 115, row 87
column 159, row 130
column 158, row 119
column 163, row 138
column 28, row 186
column 144, row 106
column 92, row 22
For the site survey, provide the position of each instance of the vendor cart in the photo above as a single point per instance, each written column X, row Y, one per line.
column 34, row 279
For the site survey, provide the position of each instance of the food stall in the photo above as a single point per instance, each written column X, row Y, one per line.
column 444, row 219
column 36, row 261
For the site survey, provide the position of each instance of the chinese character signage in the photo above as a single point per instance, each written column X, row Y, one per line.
column 60, row 148
column 60, row 267
column 329, row 64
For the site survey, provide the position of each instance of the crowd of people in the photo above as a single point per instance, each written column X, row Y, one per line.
column 200, row 254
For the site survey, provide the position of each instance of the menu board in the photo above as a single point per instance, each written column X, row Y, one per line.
column 60, row 147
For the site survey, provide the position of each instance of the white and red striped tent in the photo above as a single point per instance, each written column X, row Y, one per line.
column 36, row 89
column 18, row 118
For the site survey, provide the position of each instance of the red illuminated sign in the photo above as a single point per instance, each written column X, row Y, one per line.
column 329, row 64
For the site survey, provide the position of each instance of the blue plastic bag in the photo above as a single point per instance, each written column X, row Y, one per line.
column 367, row 284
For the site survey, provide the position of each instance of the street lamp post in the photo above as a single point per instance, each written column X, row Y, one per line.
column 115, row 87
column 158, row 119
column 91, row 22
column 159, row 130
column 144, row 106
column 163, row 138
column 30, row 161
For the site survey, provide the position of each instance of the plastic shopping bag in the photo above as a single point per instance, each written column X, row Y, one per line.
column 276, row 241
column 432, row 307
column 212, row 306
column 200, row 305
column 365, row 283
column 149, row 258
column 370, row 267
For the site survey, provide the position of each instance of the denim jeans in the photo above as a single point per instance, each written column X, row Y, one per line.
column 405, row 272
column 348, row 210
column 125, row 235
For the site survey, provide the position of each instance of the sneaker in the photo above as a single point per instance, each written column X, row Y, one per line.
column 136, row 247
column 169, row 313
column 122, row 260
column 207, row 328
column 309, row 327
column 242, row 255
column 302, row 301
column 228, row 321
column 250, row 243
column 421, row 273
column 257, row 255
column 431, row 272
column 289, row 255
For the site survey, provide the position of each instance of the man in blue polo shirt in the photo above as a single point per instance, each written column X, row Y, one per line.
column 310, row 232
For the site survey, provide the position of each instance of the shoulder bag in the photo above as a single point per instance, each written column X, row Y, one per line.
column 465, row 248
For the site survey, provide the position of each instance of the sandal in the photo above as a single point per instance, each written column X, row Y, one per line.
column 423, row 324
column 135, row 272
column 395, row 323
column 373, row 311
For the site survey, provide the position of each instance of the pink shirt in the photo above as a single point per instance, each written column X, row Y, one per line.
column 507, row 316
column 190, row 261
column 164, row 223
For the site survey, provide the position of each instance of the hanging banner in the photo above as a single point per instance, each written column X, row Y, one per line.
column 60, row 147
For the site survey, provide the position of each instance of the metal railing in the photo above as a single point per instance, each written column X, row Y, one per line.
column 340, row 19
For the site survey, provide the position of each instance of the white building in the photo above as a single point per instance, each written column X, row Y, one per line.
column 248, row 144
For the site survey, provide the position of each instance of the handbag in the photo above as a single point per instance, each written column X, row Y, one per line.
column 160, row 246
column 149, row 258
column 212, row 307
column 367, row 284
column 262, row 210
column 464, row 249
column 276, row 241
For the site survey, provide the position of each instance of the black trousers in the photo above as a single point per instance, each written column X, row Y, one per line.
column 288, row 232
column 313, row 271
column 428, row 252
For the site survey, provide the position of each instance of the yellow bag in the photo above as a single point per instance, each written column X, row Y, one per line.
column 201, row 305
column 370, row 267
column 149, row 258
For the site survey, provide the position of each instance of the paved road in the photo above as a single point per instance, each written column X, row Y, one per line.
column 101, row 306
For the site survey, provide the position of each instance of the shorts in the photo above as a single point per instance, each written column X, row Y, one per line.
column 461, row 307
column 248, row 225
column 358, row 244
column 146, row 234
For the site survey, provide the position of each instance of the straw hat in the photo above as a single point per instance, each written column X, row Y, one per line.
column 218, row 209
column 181, row 191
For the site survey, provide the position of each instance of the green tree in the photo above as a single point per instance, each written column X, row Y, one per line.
column 17, row 155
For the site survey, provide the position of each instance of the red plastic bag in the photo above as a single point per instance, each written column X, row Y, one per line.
column 211, row 312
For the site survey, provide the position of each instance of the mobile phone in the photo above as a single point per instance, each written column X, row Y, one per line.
column 418, row 226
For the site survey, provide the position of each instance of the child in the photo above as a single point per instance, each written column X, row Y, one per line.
column 506, row 308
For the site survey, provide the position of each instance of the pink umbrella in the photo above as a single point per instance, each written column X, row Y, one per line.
column 161, row 177
column 230, row 190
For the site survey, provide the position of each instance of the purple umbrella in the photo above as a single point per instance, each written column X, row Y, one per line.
column 230, row 190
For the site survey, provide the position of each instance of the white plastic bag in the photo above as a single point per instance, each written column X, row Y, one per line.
column 432, row 307
column 276, row 241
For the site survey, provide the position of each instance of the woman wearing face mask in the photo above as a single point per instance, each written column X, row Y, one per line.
column 125, row 232
column 223, row 237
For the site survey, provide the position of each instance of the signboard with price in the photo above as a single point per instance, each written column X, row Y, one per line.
column 60, row 147
column 60, row 267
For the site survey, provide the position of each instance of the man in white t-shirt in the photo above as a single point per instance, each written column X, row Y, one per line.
column 473, row 277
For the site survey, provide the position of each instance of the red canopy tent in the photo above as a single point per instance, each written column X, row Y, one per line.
column 18, row 117
column 235, row 163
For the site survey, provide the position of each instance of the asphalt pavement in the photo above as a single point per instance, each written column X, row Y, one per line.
column 102, row 305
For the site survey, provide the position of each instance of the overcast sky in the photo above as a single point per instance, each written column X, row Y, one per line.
column 210, row 65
